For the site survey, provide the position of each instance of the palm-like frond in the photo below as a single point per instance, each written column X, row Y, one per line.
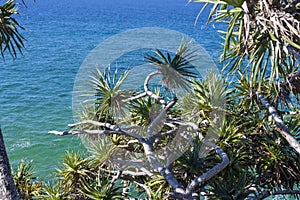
column 10, row 38
column 209, row 96
column 102, row 149
column 74, row 171
column 25, row 181
column 259, row 37
column 53, row 192
column 158, row 187
column 109, row 97
column 175, row 70
column 140, row 110
column 102, row 189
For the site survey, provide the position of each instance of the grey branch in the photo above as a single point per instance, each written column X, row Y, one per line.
column 135, row 97
column 169, row 176
column 211, row 173
column 109, row 126
column 283, row 130
column 149, row 92
column 80, row 132
column 183, row 123
column 159, row 135
column 155, row 123
column 136, row 164
column 297, row 112
column 95, row 123
column 93, row 132
column 129, row 173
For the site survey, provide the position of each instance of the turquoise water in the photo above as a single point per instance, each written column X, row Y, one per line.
column 36, row 89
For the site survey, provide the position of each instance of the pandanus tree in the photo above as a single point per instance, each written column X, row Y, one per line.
column 261, row 50
column 258, row 162
column 262, row 46
column 11, row 41
column 166, row 134
column 256, row 116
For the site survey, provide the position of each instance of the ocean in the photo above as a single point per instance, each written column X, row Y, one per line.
column 36, row 88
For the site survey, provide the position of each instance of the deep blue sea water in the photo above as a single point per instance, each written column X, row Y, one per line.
column 36, row 89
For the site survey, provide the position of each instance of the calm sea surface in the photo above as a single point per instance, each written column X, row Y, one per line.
column 36, row 90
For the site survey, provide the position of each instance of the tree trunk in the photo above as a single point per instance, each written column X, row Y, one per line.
column 8, row 189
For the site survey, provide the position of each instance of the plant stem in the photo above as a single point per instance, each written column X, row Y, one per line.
column 283, row 130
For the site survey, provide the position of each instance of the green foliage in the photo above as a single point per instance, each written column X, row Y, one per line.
column 261, row 40
column 207, row 97
column 159, row 187
column 75, row 170
column 10, row 38
column 102, row 188
column 53, row 192
column 260, row 159
column 108, row 95
column 141, row 109
column 175, row 70
column 102, row 149
column 25, row 182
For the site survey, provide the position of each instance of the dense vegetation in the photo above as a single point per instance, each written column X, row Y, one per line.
column 256, row 117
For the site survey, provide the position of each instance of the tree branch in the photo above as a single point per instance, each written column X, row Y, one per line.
column 182, row 123
column 115, row 128
column 168, row 175
column 160, row 117
column 136, row 164
column 290, row 112
column 135, row 97
column 95, row 123
column 94, row 132
column 149, row 92
column 284, row 131
column 211, row 173
column 129, row 173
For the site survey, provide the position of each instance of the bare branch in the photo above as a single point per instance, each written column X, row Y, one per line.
column 164, row 134
column 138, row 182
column 95, row 123
column 171, row 103
column 109, row 126
column 136, row 164
column 182, row 123
column 7, row 187
column 149, row 92
column 129, row 173
column 91, row 132
column 80, row 132
column 128, row 143
column 290, row 112
column 156, row 122
column 168, row 175
column 284, row 131
column 114, row 179
column 135, row 97
column 160, row 117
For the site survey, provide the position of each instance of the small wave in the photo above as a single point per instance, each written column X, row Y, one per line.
column 20, row 144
